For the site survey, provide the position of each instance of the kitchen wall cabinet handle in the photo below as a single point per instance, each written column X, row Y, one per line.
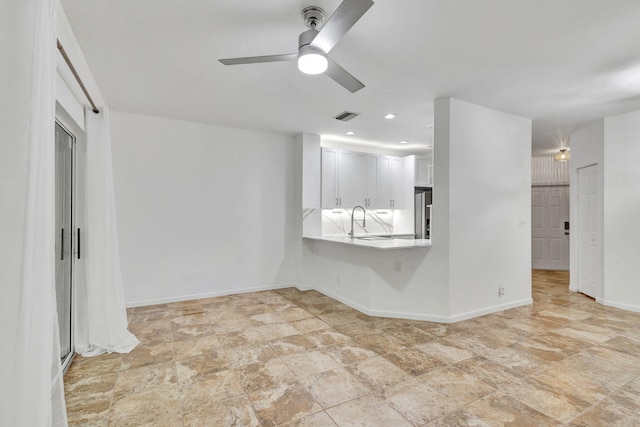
column 62, row 245
column 78, row 236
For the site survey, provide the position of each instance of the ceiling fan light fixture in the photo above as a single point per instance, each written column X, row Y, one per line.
column 312, row 61
column 562, row 156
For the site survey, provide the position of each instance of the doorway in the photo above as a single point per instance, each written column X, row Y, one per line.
column 588, row 233
column 550, row 227
column 67, row 236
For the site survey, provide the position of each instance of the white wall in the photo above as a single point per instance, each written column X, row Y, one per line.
column 622, row 210
column 587, row 148
column 202, row 210
column 489, row 188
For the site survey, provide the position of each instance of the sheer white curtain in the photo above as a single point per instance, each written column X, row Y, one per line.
column 101, row 318
column 31, row 380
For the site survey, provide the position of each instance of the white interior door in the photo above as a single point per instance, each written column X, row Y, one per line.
column 588, row 252
column 549, row 236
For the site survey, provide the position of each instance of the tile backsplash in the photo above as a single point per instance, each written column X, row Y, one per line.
column 338, row 221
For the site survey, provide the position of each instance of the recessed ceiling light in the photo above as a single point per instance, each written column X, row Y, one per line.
column 404, row 141
column 350, row 132
column 389, row 116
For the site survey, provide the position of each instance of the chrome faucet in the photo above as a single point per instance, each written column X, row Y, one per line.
column 364, row 219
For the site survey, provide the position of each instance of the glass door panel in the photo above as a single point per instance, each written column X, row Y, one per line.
column 64, row 235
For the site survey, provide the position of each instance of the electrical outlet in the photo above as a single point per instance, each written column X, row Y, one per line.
column 397, row 266
column 500, row 291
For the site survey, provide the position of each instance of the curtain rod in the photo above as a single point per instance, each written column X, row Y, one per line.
column 75, row 74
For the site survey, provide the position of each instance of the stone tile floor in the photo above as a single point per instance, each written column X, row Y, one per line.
column 303, row 359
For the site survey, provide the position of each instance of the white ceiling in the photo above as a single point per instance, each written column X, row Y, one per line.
column 562, row 63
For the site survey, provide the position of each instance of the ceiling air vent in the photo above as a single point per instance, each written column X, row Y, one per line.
column 346, row 116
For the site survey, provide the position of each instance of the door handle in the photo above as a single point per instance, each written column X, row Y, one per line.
column 78, row 236
column 566, row 233
column 62, row 245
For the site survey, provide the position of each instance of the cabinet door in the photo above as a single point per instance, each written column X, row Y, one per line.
column 384, row 195
column 371, row 182
column 345, row 166
column 358, row 180
column 422, row 172
column 329, row 179
column 395, row 182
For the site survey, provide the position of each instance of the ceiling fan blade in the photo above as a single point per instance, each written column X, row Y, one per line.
column 259, row 59
column 345, row 16
column 342, row 77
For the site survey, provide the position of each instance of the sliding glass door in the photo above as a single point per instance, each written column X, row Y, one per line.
column 66, row 238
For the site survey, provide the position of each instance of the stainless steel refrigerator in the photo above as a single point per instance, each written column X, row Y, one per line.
column 423, row 198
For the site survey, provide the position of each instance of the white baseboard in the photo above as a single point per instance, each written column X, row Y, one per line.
column 620, row 305
column 489, row 310
column 179, row 298
column 418, row 316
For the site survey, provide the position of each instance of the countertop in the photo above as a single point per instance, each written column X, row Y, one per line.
column 382, row 243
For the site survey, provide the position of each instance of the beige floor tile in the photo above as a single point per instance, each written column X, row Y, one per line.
column 212, row 387
column 148, row 407
column 349, row 353
column 278, row 330
column 147, row 355
column 146, row 377
column 378, row 373
column 239, row 338
column 551, row 401
column 367, row 411
column 489, row 372
column 309, row 363
column 447, row 352
column 152, row 332
column 410, row 335
column 192, row 332
column 420, row 403
column 329, row 337
column 249, row 354
column 282, row 404
column 309, row 325
column 291, row 344
column 234, row 412
column 197, row 347
column 608, row 413
column 513, row 359
column 381, row 342
column 413, row 361
column 197, row 367
column 99, row 387
column 496, row 409
column 258, row 376
column 458, row 385
column 319, row 419
column 278, row 357
column 333, row 387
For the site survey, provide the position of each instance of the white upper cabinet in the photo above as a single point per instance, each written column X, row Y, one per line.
column 395, row 182
column 389, row 182
column 350, row 179
column 371, row 178
column 338, row 178
column 330, row 192
column 424, row 170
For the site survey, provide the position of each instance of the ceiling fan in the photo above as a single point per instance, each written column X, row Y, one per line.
column 314, row 45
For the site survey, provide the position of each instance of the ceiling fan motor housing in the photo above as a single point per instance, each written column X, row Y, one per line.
column 313, row 16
